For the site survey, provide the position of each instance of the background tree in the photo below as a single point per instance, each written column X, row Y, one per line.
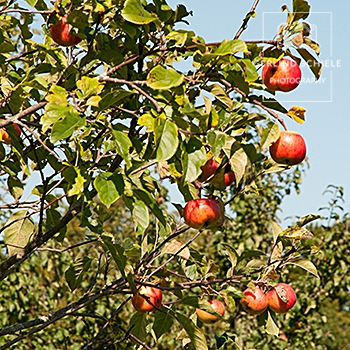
column 95, row 117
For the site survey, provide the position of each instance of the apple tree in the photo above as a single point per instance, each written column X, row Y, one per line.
column 107, row 108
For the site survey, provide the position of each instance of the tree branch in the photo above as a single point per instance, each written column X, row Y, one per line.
column 22, row 114
column 246, row 19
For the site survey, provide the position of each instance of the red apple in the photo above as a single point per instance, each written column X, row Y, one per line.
column 61, row 33
column 202, row 212
column 224, row 178
column 208, row 169
column 281, row 298
column 283, row 75
column 147, row 299
column 290, row 148
column 255, row 301
column 207, row 317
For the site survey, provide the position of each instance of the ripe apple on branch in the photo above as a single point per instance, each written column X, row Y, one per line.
column 255, row 301
column 281, row 298
column 147, row 299
column 283, row 75
column 202, row 212
column 207, row 317
column 289, row 149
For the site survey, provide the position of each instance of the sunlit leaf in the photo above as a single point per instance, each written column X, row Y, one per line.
column 18, row 232
column 166, row 133
column 195, row 334
column 176, row 247
column 106, row 188
column 161, row 78
column 305, row 264
column 271, row 324
column 134, row 12
column 270, row 134
column 194, row 157
column 65, row 127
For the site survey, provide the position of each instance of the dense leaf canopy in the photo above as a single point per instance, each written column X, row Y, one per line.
column 95, row 125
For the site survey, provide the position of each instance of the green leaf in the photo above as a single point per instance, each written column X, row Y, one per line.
column 146, row 197
column 306, row 265
column 166, row 137
column 301, row 9
column 15, row 187
column 227, row 47
column 271, row 324
column 195, row 156
column 148, row 121
column 217, row 140
column 64, row 128
column 134, row 12
column 160, row 78
column 78, row 186
column 138, row 324
column 75, row 273
column 221, row 95
column 162, row 323
column 123, row 145
column 307, row 219
column 270, row 134
column 179, row 37
column 230, row 47
column 313, row 63
column 140, row 215
column 276, row 230
column 106, row 188
column 195, row 334
column 19, row 231
column 249, row 69
column 270, row 103
column 231, row 253
column 238, row 163
column 88, row 87
column 117, row 252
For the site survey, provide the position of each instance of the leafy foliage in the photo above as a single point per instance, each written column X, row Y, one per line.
column 86, row 215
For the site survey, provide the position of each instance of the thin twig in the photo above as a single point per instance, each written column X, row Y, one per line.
column 246, row 19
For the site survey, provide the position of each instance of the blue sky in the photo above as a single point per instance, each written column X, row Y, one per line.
column 327, row 126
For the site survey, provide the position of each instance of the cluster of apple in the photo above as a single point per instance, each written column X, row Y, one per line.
column 285, row 76
column 149, row 299
column 280, row 298
column 4, row 135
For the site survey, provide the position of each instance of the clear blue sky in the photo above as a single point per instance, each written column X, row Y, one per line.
column 327, row 126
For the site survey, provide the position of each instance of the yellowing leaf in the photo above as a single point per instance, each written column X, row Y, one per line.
column 175, row 247
column 298, row 233
column 18, row 232
column 297, row 113
column 78, row 186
